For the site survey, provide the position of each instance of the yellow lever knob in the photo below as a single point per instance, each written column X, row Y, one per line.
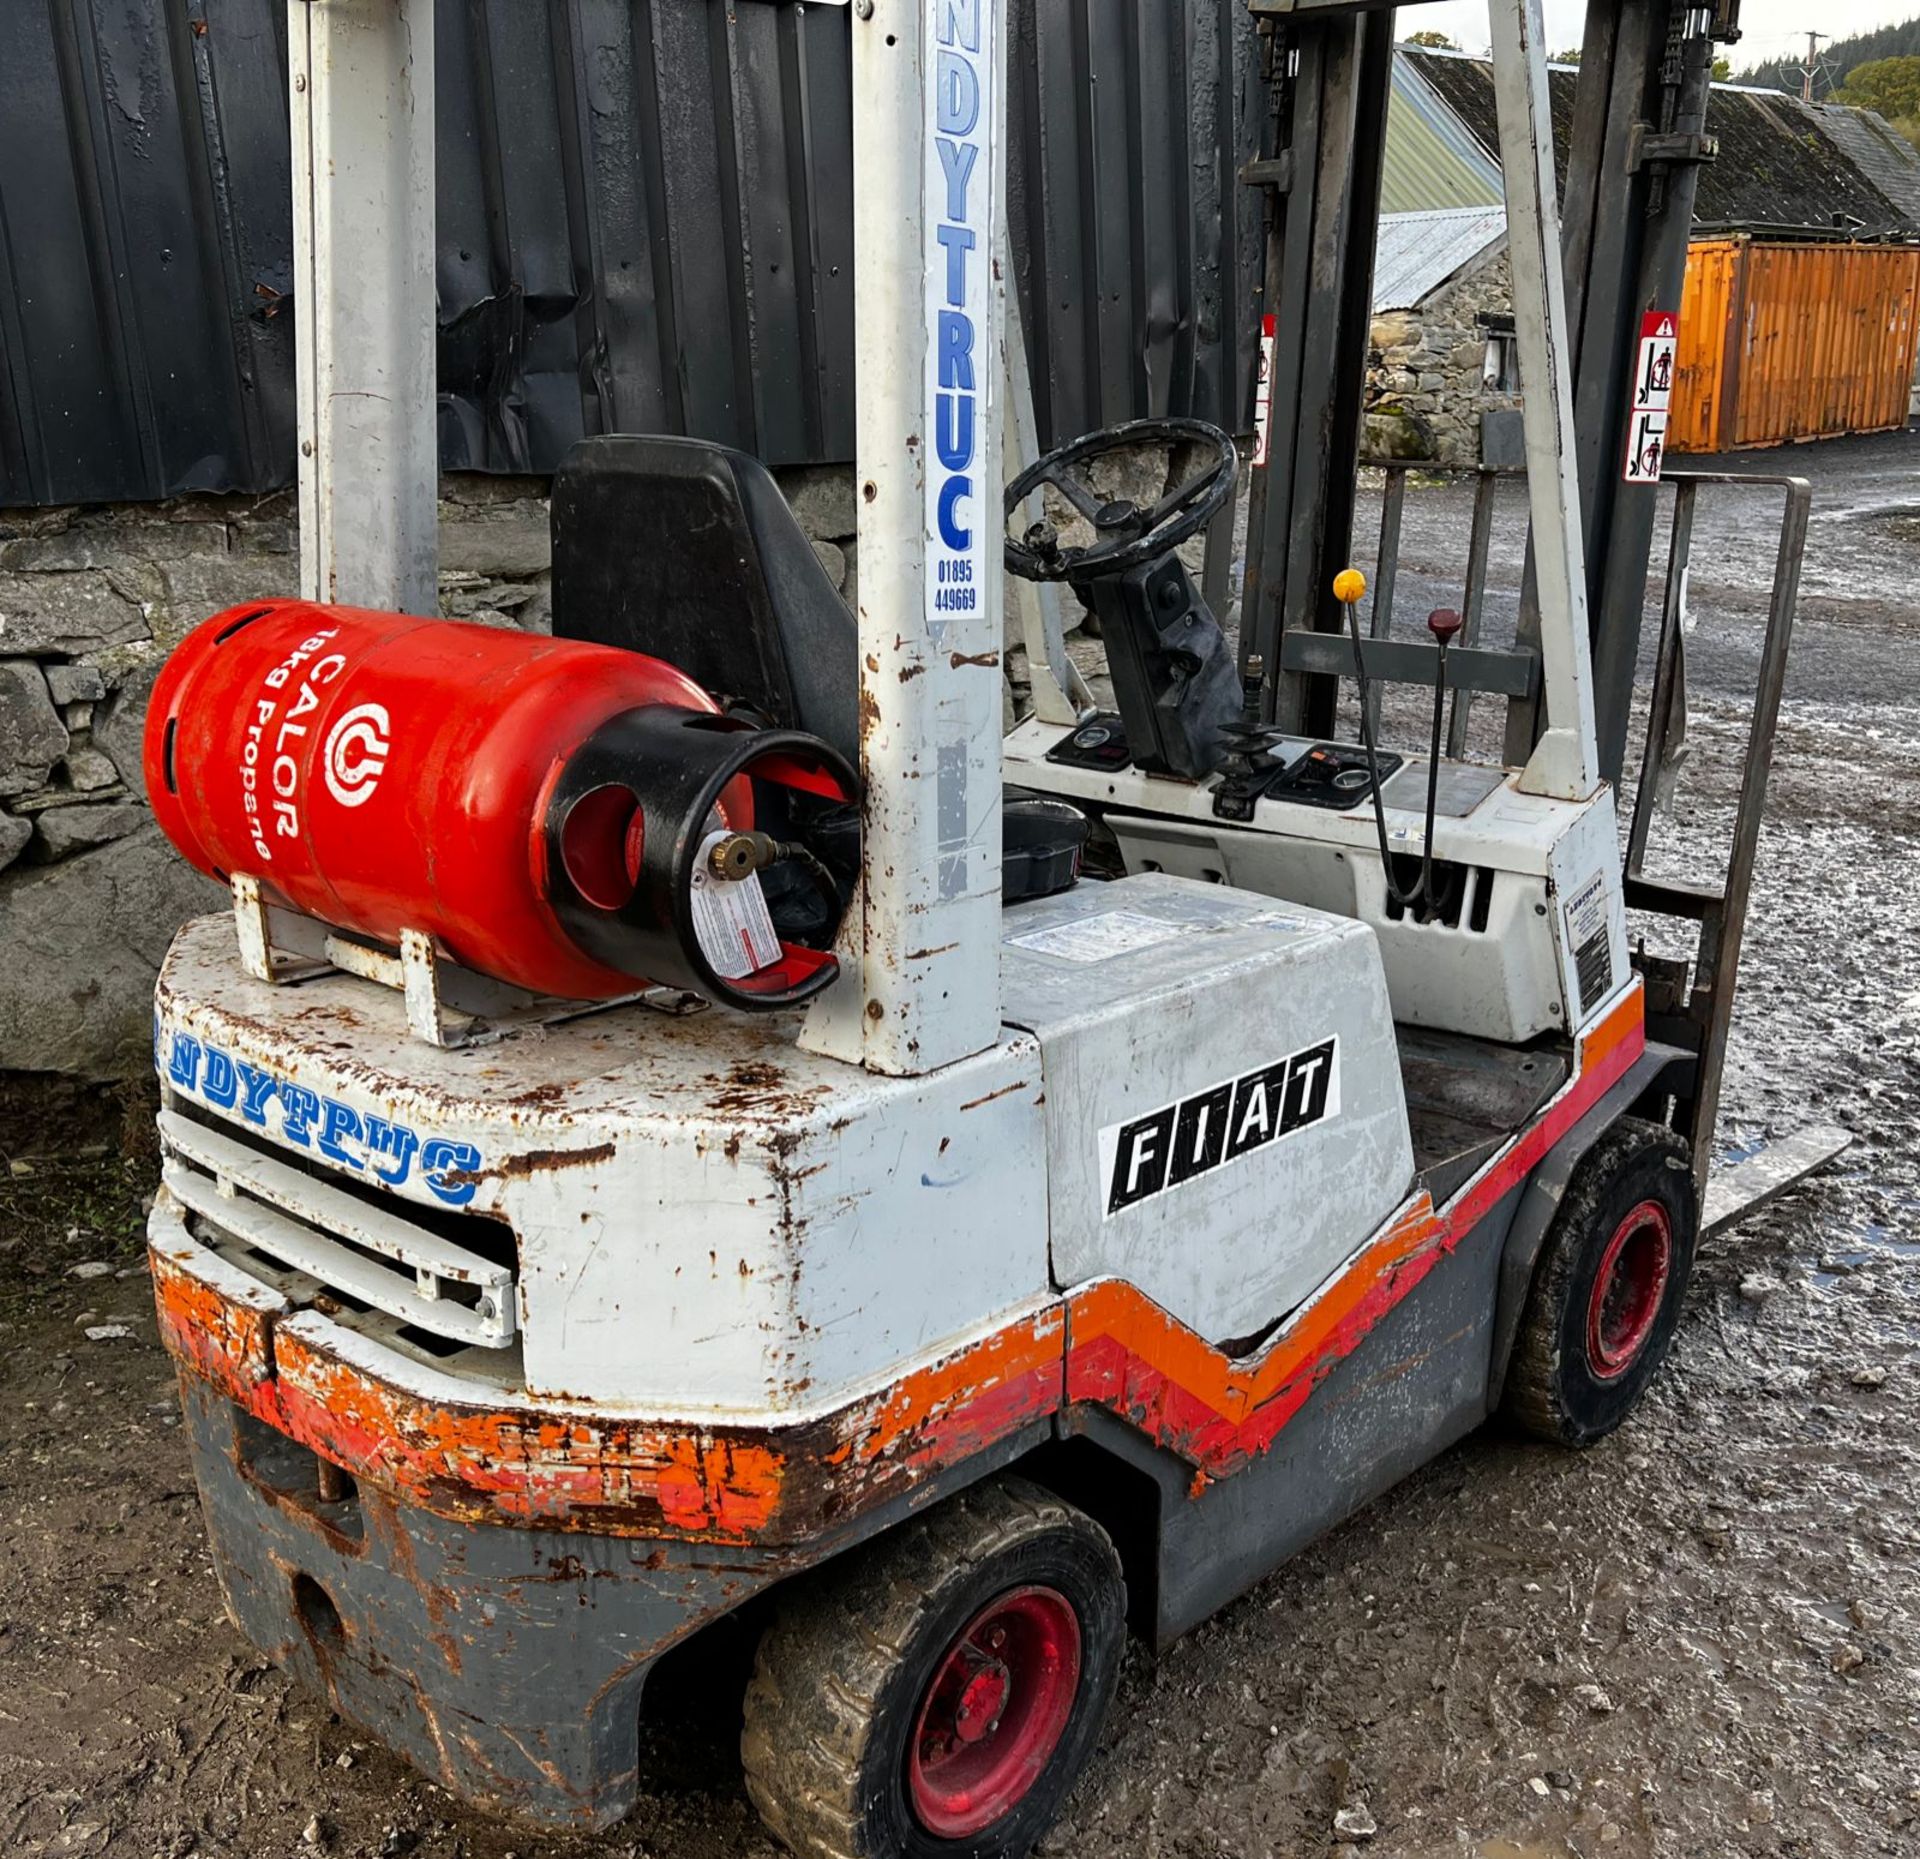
column 1349, row 586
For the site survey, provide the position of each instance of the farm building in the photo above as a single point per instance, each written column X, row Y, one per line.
column 1801, row 313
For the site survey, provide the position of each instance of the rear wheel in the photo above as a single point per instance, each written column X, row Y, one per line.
column 939, row 1693
column 1608, row 1288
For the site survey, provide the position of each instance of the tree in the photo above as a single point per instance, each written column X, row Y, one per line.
column 1722, row 70
column 1432, row 41
column 1564, row 58
column 1889, row 85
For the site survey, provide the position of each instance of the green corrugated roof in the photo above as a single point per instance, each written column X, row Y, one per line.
column 1432, row 159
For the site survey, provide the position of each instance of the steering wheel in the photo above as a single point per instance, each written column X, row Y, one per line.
column 1126, row 535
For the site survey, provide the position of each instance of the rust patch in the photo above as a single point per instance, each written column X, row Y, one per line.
column 911, row 672
column 762, row 1088
column 923, row 955
column 550, row 1161
column 538, row 1096
column 961, row 659
column 1019, row 1084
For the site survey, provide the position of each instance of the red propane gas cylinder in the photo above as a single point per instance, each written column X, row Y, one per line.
column 383, row 772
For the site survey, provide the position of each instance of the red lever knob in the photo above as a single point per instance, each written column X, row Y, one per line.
column 1443, row 623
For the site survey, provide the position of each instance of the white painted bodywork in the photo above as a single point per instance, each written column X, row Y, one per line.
column 708, row 1218
column 361, row 104
column 1502, row 982
column 1586, row 852
column 1509, row 982
column 1231, row 986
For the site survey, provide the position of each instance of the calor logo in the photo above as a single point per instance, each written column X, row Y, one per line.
column 356, row 753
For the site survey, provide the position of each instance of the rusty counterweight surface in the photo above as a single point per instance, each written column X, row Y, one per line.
column 563, row 1466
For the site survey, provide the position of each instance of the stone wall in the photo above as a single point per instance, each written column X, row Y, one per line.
column 1425, row 380
column 91, row 601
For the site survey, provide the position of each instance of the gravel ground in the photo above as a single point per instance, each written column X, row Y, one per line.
column 1700, row 1638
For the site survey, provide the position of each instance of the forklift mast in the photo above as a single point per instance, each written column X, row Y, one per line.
column 1633, row 155
column 1625, row 212
column 1330, row 73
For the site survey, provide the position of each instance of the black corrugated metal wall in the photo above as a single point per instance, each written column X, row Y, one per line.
column 645, row 225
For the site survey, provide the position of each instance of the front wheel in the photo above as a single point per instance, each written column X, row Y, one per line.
column 1607, row 1290
column 938, row 1694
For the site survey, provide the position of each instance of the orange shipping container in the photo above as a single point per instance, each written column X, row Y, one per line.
column 1781, row 342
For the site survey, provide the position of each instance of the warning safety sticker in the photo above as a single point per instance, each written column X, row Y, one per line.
column 1651, row 397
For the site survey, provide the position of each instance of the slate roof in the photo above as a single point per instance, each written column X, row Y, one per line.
column 1879, row 151
column 1781, row 162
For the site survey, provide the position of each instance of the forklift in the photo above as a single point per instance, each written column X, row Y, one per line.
column 665, row 1137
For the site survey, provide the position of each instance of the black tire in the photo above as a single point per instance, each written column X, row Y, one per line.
column 845, row 1678
column 1586, row 1351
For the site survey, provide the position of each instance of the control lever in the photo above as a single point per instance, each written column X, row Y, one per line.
column 1253, row 675
column 1444, row 623
column 1250, row 764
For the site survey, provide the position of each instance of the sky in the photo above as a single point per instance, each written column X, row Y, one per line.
column 1769, row 28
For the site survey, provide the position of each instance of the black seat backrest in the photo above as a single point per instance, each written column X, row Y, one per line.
column 687, row 551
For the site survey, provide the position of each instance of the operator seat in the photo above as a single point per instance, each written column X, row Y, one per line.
column 687, row 551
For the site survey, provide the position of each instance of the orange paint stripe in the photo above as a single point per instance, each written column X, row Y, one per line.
column 988, row 1388
column 222, row 1341
column 612, row 1474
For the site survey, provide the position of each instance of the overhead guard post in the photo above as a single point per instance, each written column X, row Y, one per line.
column 920, row 957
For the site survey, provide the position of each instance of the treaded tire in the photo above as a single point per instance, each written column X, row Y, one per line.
column 1564, row 1382
column 847, row 1665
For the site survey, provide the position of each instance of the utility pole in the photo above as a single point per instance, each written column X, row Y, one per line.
column 1812, row 65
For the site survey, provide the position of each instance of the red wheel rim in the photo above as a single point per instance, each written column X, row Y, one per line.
column 994, row 1714
column 1629, row 1289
